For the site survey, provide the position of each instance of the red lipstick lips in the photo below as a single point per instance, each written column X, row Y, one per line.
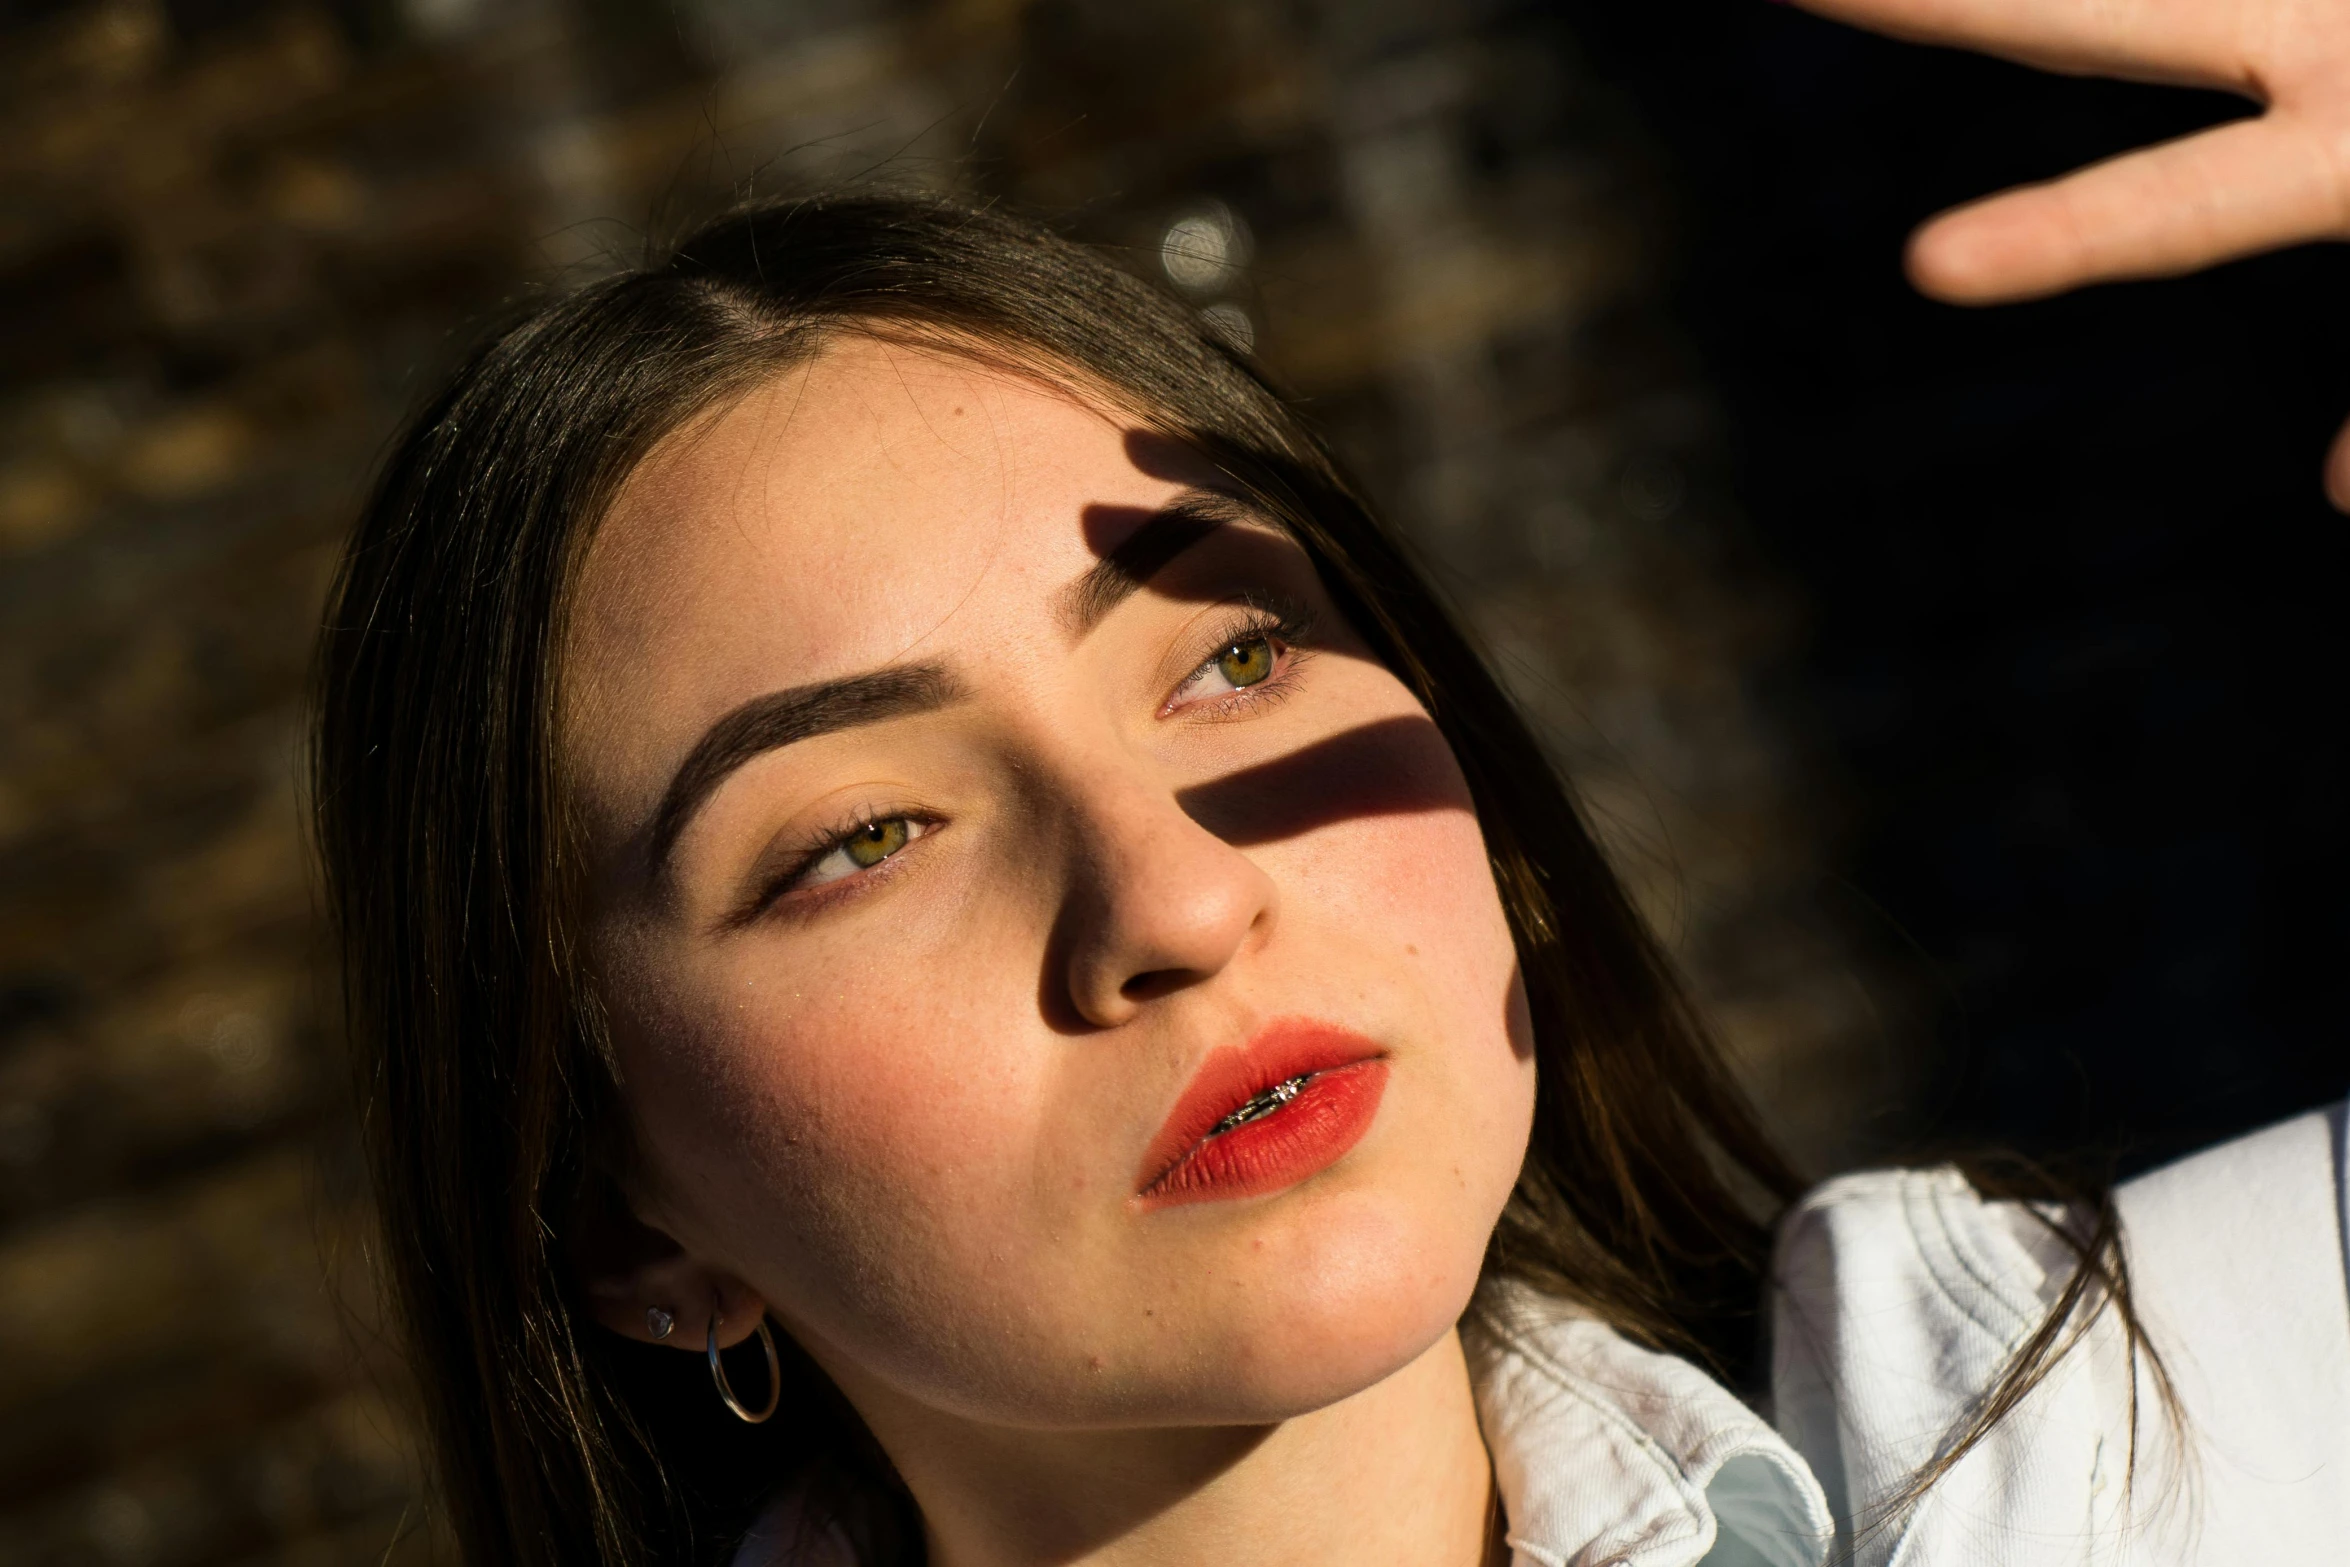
column 1263, row 1117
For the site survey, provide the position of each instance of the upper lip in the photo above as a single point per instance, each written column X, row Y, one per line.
column 1229, row 1078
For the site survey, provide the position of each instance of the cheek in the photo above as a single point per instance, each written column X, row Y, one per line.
column 1405, row 907
column 1418, row 888
column 839, row 1142
column 1415, row 898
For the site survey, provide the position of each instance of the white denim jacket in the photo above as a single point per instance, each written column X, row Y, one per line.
column 1900, row 1296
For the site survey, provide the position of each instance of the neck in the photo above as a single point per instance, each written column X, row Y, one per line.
column 1398, row 1472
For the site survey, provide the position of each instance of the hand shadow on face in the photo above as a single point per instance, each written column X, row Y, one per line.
column 1132, row 543
column 1390, row 767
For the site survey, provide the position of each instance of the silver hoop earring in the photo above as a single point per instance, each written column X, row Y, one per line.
column 774, row 1375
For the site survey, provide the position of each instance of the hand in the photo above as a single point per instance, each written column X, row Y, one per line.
column 2235, row 190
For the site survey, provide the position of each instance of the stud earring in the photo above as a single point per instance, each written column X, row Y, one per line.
column 658, row 1322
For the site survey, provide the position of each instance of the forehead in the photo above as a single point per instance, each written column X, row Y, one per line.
column 876, row 503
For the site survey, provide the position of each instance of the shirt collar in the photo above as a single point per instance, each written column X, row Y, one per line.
column 1609, row 1455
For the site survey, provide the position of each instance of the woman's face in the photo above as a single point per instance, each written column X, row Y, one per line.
column 983, row 813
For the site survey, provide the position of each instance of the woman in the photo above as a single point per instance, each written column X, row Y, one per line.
column 889, row 810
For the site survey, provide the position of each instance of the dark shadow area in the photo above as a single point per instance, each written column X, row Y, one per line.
column 2071, row 581
column 1390, row 768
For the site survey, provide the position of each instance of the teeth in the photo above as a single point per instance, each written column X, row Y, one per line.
column 1262, row 1105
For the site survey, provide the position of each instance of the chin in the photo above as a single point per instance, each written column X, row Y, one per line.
column 1315, row 1306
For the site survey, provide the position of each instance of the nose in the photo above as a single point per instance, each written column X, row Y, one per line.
column 1155, row 902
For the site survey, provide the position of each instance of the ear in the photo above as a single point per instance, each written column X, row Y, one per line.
column 629, row 1270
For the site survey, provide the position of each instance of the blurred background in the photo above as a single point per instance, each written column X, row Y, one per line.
column 1958, row 690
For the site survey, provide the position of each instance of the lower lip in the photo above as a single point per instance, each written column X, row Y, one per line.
column 1332, row 1111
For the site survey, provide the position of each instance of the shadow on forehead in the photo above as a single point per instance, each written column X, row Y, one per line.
column 1164, row 457
column 1161, row 457
column 1136, row 543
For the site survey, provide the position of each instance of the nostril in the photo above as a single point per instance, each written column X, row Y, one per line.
column 1156, row 982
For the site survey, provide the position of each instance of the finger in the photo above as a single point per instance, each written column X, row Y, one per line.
column 2338, row 471
column 2196, row 42
column 2248, row 186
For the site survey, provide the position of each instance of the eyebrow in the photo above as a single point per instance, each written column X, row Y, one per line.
column 1142, row 554
column 781, row 718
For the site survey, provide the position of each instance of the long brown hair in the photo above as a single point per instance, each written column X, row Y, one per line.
column 490, row 1112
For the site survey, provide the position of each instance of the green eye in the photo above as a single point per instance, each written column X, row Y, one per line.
column 1246, row 663
column 877, row 841
column 1252, row 658
column 859, row 850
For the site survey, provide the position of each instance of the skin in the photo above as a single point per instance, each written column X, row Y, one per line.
column 903, row 1112
column 2279, row 178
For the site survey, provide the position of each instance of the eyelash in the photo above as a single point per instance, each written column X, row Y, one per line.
column 1281, row 620
column 1285, row 622
column 816, row 850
